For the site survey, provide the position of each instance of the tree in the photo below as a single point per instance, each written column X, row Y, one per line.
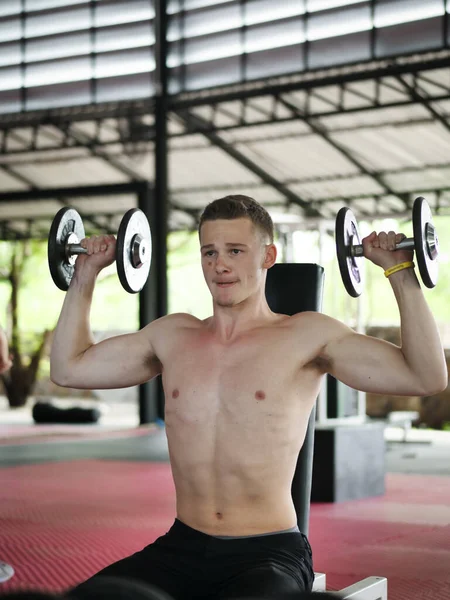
column 19, row 381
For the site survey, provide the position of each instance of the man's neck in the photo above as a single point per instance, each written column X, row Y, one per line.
column 228, row 323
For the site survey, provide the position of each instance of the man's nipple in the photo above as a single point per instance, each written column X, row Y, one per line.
column 260, row 395
column 175, row 393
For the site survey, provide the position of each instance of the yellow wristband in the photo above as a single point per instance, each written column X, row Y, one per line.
column 399, row 267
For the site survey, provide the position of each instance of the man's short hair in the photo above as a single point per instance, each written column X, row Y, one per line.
column 239, row 207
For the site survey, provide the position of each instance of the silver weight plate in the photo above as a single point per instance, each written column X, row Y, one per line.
column 134, row 250
column 426, row 243
column 66, row 224
column 346, row 236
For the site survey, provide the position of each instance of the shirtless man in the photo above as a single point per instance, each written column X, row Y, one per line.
column 239, row 389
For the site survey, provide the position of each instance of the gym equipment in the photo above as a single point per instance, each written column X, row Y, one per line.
column 6, row 571
column 350, row 252
column 46, row 412
column 133, row 248
column 291, row 289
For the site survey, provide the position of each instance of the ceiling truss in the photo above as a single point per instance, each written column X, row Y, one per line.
column 116, row 134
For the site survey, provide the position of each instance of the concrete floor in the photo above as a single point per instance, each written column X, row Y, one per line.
column 425, row 452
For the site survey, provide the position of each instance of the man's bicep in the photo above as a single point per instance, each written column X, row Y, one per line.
column 368, row 364
column 116, row 362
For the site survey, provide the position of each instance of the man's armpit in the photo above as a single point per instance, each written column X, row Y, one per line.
column 321, row 363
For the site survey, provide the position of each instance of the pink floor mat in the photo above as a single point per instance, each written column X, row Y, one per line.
column 62, row 522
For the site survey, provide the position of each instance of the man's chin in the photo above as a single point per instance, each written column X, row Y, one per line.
column 225, row 304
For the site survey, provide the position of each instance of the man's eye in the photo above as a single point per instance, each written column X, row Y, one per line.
column 236, row 251
column 209, row 253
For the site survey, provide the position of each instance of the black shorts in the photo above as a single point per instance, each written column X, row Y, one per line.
column 189, row 564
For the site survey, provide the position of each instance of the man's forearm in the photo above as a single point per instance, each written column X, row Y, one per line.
column 73, row 335
column 421, row 343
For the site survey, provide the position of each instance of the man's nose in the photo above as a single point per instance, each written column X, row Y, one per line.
column 221, row 265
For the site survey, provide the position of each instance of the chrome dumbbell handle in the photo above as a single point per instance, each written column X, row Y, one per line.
column 406, row 244
column 72, row 249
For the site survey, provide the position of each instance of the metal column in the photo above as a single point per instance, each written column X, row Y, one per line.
column 160, row 199
column 148, row 311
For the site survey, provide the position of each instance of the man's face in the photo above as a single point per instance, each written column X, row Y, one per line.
column 234, row 257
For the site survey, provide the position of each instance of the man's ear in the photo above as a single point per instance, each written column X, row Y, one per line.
column 270, row 256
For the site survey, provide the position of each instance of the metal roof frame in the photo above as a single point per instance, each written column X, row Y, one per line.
column 115, row 133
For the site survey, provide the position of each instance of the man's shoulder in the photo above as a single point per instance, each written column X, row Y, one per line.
column 316, row 324
column 312, row 332
column 164, row 333
column 175, row 321
column 308, row 318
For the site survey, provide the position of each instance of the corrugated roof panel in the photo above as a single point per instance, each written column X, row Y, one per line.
column 443, row 106
column 198, row 199
column 175, row 125
column 269, row 105
column 17, row 210
column 141, row 163
column 46, row 156
column 119, row 203
column 440, row 76
column 271, row 131
column 194, row 200
column 337, row 188
column 378, row 117
column 18, row 139
column 107, row 132
column 227, row 115
column 88, row 171
column 195, row 140
column 392, row 148
column 359, row 93
column 392, row 203
column 208, row 166
column 425, row 179
column 48, row 135
column 180, row 220
column 9, row 183
column 293, row 159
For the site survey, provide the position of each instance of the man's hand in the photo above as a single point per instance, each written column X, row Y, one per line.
column 5, row 358
column 101, row 253
column 380, row 249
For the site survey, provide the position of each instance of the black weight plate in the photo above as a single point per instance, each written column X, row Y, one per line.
column 422, row 219
column 347, row 234
column 66, row 221
column 134, row 223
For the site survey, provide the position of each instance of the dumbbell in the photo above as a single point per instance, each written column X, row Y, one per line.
column 350, row 250
column 133, row 248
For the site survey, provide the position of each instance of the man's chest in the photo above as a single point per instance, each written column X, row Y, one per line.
column 253, row 378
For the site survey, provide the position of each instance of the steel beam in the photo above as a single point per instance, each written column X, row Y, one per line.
column 313, row 79
column 72, row 192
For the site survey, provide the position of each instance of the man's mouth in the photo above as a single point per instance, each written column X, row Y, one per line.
column 224, row 284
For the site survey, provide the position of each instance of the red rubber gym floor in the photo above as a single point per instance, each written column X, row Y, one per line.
column 61, row 522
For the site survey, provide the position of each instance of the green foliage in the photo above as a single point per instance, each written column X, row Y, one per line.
column 40, row 301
